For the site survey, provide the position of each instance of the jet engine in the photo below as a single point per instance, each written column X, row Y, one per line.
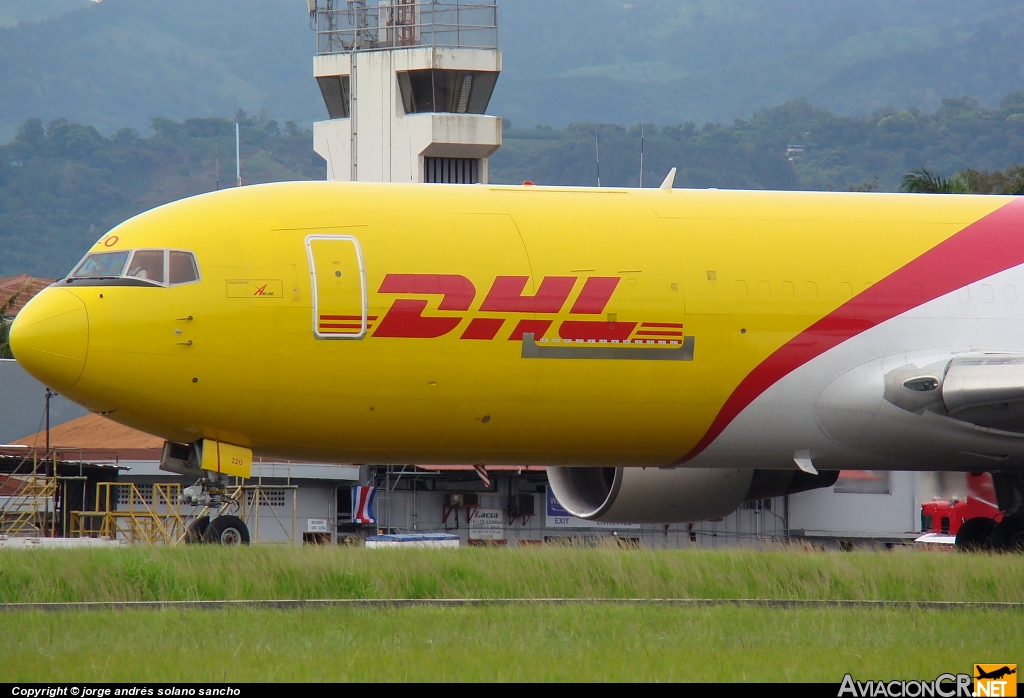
column 679, row 495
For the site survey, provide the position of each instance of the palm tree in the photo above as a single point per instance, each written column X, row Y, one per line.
column 922, row 181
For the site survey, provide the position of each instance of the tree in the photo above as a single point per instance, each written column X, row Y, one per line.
column 5, row 340
column 921, row 181
column 1009, row 181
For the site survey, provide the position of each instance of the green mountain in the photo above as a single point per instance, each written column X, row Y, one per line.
column 62, row 186
column 13, row 12
column 792, row 146
column 669, row 61
column 121, row 62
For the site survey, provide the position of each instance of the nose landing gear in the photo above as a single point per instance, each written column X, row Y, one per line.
column 213, row 462
column 224, row 529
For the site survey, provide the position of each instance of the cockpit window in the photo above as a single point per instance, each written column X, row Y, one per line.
column 104, row 265
column 137, row 268
column 147, row 265
column 182, row 268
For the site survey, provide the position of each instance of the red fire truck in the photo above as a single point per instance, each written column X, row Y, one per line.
column 971, row 521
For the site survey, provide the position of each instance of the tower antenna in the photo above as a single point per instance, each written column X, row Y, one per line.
column 238, row 154
column 643, row 117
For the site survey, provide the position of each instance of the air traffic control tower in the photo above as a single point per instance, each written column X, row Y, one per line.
column 406, row 84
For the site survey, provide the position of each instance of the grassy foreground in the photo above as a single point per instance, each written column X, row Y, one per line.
column 265, row 572
column 554, row 643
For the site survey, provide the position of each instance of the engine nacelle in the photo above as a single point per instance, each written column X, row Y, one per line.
column 679, row 495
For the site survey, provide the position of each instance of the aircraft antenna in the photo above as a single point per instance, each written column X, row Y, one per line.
column 670, row 180
column 597, row 149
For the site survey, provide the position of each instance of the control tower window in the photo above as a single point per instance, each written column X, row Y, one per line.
column 451, row 171
column 335, row 90
column 147, row 265
column 446, row 91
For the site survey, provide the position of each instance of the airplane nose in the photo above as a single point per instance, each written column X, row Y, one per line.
column 50, row 338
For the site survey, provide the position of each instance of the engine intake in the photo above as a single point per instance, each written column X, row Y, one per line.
column 680, row 495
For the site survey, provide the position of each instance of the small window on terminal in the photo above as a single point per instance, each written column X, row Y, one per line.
column 182, row 268
column 147, row 265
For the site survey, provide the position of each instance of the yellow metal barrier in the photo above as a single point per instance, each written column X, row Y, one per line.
column 29, row 511
column 141, row 522
column 161, row 520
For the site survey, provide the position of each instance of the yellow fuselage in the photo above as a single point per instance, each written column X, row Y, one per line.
column 456, row 279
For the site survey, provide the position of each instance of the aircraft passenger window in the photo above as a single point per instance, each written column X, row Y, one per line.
column 987, row 296
column 964, row 294
column 788, row 290
column 182, row 268
column 147, row 265
column 812, row 291
column 1010, row 294
column 102, row 265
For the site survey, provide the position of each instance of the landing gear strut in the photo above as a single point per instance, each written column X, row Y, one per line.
column 209, row 491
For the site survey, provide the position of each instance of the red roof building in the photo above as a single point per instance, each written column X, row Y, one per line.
column 16, row 291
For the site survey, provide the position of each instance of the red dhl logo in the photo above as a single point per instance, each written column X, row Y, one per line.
column 405, row 319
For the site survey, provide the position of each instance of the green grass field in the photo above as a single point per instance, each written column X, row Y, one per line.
column 577, row 642
column 506, row 643
column 270, row 572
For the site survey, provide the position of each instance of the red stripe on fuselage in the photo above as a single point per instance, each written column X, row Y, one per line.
column 991, row 245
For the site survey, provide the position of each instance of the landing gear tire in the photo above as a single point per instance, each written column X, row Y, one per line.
column 227, row 530
column 196, row 529
column 1008, row 535
column 975, row 535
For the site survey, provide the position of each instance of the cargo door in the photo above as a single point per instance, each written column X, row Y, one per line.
column 339, row 287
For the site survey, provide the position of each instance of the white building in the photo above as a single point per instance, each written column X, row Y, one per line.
column 406, row 85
